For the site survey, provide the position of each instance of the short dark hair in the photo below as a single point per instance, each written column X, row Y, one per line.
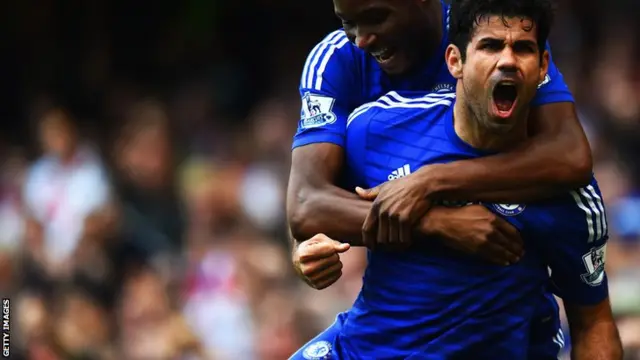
column 466, row 15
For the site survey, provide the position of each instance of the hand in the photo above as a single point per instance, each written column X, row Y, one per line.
column 397, row 207
column 475, row 230
column 317, row 261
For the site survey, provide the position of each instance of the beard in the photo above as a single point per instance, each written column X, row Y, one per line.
column 477, row 103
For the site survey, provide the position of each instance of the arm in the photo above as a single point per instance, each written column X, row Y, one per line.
column 594, row 335
column 327, row 89
column 577, row 258
column 314, row 204
column 557, row 158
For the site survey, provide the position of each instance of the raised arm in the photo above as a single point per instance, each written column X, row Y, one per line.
column 556, row 159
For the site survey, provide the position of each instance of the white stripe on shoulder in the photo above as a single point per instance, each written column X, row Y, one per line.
column 590, row 202
column 359, row 111
column 596, row 211
column 319, row 57
column 429, row 97
column 588, row 215
column 603, row 214
column 393, row 100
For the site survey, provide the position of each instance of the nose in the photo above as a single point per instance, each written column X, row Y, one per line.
column 364, row 39
column 508, row 60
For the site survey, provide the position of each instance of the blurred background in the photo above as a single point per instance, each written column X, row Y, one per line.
column 144, row 154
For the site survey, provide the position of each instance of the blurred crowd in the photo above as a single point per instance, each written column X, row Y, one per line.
column 144, row 161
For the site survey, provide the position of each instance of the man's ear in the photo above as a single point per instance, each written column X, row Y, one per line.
column 453, row 57
column 544, row 66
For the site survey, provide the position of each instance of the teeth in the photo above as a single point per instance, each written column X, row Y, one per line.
column 379, row 52
column 382, row 54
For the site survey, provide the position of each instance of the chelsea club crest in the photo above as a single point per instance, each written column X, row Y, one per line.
column 319, row 350
column 509, row 209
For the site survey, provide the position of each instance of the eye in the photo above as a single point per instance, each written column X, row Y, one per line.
column 375, row 16
column 491, row 46
column 525, row 48
column 347, row 24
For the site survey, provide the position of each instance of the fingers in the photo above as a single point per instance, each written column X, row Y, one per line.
column 509, row 237
column 342, row 247
column 368, row 194
column 322, row 273
column 400, row 230
column 315, row 267
column 369, row 228
column 383, row 230
column 318, row 247
column 328, row 277
column 325, row 283
column 509, row 231
column 497, row 254
column 502, row 249
column 405, row 234
column 394, row 226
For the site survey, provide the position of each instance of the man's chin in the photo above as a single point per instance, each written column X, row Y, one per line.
column 500, row 125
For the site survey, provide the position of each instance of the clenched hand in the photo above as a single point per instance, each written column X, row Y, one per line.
column 317, row 261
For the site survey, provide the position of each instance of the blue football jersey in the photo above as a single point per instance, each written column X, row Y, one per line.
column 432, row 302
column 338, row 77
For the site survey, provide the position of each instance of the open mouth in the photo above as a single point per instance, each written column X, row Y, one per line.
column 505, row 95
column 384, row 55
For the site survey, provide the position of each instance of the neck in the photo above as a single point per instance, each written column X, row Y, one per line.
column 480, row 135
column 432, row 33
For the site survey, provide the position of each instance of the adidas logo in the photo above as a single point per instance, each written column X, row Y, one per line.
column 400, row 172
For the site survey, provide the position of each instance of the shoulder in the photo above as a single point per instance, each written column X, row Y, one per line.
column 429, row 106
column 334, row 45
column 580, row 212
column 333, row 56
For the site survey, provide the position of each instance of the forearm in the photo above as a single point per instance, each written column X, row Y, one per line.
column 526, row 174
column 555, row 159
column 332, row 211
column 594, row 334
column 599, row 341
column 340, row 215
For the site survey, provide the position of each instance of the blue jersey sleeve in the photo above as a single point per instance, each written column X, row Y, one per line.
column 553, row 89
column 328, row 89
column 577, row 256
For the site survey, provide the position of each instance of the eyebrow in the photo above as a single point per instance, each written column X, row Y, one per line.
column 492, row 40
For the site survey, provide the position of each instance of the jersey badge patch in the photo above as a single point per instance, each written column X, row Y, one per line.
column 444, row 88
column 319, row 350
column 316, row 111
column 509, row 209
column 594, row 262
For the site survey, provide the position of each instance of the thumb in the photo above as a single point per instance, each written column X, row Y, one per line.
column 368, row 194
column 341, row 247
